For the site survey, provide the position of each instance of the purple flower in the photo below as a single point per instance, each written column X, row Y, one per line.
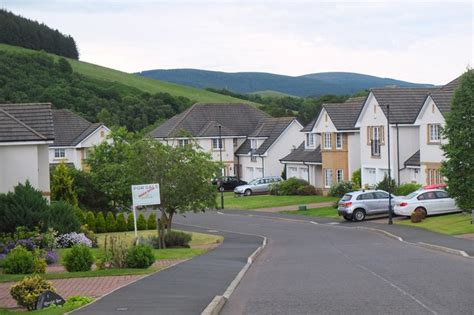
column 27, row 243
column 73, row 238
column 51, row 257
column 2, row 256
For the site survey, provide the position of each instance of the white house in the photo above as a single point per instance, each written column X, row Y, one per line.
column 26, row 130
column 229, row 132
column 74, row 137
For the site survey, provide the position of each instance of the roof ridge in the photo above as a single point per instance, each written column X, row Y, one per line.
column 23, row 124
column 41, row 103
column 185, row 114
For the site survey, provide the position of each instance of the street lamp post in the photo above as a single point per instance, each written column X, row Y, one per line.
column 221, row 189
column 390, row 214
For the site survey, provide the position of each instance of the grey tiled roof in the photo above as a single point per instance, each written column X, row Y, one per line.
column 413, row 160
column 71, row 129
column 200, row 120
column 310, row 126
column 26, row 122
column 303, row 155
column 443, row 96
column 270, row 128
column 344, row 115
column 405, row 103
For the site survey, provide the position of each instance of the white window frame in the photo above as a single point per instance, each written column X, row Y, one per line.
column 339, row 141
column 327, row 141
column 59, row 153
column 339, row 175
column 375, row 143
column 434, row 133
column 182, row 142
column 215, row 143
column 253, row 144
column 310, row 141
column 328, row 177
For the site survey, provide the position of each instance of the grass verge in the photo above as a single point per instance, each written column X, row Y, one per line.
column 327, row 212
column 268, row 201
column 450, row 224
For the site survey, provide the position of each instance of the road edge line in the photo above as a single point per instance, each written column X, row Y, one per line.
column 444, row 249
column 380, row 231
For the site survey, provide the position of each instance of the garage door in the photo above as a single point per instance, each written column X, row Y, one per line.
column 292, row 172
column 258, row 172
column 370, row 177
column 249, row 174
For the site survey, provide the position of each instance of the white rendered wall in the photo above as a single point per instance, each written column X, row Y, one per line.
column 19, row 163
column 353, row 141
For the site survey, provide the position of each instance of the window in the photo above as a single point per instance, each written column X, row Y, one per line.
column 102, row 133
column 328, row 177
column 434, row 133
column 235, row 142
column 310, row 139
column 381, row 195
column 441, row 194
column 433, row 176
column 427, row 196
column 367, row 196
column 182, row 142
column 59, row 153
column 338, row 140
column 253, row 144
column 375, row 141
column 339, row 175
column 327, row 141
column 217, row 144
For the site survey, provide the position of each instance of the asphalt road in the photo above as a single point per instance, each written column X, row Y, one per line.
column 311, row 268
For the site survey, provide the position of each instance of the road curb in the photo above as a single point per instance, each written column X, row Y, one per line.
column 444, row 249
column 381, row 232
column 219, row 301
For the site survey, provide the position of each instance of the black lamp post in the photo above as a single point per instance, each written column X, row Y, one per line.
column 390, row 214
column 221, row 189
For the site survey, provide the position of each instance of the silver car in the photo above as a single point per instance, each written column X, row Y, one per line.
column 257, row 186
column 357, row 205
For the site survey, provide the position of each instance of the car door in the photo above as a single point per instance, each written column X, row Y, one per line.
column 369, row 202
column 382, row 202
column 259, row 186
column 446, row 204
column 429, row 201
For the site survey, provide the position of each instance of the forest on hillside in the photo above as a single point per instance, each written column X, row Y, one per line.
column 19, row 31
column 37, row 77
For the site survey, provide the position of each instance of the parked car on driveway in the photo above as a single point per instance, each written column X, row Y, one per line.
column 428, row 202
column 257, row 186
column 228, row 182
column 357, row 205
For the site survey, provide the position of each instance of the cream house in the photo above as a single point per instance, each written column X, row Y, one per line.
column 26, row 130
column 75, row 137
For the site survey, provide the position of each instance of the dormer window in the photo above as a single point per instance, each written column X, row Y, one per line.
column 253, row 144
column 310, row 140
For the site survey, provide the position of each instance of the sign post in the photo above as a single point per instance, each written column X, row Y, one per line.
column 144, row 195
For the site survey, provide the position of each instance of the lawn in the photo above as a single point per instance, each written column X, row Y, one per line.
column 268, row 201
column 451, row 224
column 327, row 212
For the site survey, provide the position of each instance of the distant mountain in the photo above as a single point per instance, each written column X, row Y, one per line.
column 338, row 83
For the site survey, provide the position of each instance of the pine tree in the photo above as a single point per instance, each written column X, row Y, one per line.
column 130, row 223
column 62, row 185
column 121, row 224
column 90, row 221
column 459, row 151
column 110, row 223
column 141, row 222
column 151, row 222
column 100, row 223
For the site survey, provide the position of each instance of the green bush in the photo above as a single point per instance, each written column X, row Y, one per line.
column 25, row 206
column 79, row 258
column 151, row 222
column 356, row 178
column 387, row 185
column 27, row 291
column 140, row 256
column 100, row 223
column 63, row 218
column 141, row 222
column 39, row 264
column 90, row 221
column 110, row 223
column 19, row 261
column 177, row 239
column 81, row 215
column 291, row 186
column 130, row 224
column 121, row 223
column 405, row 189
column 341, row 188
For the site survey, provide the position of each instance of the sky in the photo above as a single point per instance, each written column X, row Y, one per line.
column 416, row 41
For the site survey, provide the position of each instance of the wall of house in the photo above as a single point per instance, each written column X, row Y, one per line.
column 336, row 159
column 251, row 169
column 353, row 142
column 20, row 163
column 410, row 175
column 72, row 156
column 95, row 138
column 299, row 170
column 409, row 144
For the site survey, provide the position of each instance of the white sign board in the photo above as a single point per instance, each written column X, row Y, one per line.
column 146, row 195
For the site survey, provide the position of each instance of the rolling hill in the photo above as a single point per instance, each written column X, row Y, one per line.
column 338, row 83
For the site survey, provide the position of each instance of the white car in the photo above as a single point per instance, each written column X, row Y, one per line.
column 433, row 201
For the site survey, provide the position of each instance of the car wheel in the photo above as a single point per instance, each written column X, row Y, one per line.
column 247, row 192
column 347, row 217
column 359, row 215
column 422, row 211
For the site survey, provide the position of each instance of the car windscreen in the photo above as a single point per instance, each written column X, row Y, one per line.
column 254, row 181
column 346, row 197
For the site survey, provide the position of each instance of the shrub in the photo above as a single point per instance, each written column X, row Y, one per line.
column 405, row 189
column 288, row 187
column 385, row 184
column 89, row 234
column 121, row 223
column 151, row 222
column 39, row 264
column 341, row 188
column 73, row 238
column 141, row 222
column 177, row 239
column 48, row 239
column 110, row 223
column 19, row 261
column 90, row 221
column 51, row 257
column 356, row 178
column 79, row 258
column 81, row 215
column 116, row 250
column 130, row 224
column 100, row 223
column 307, row 190
column 27, row 291
column 63, row 218
column 140, row 256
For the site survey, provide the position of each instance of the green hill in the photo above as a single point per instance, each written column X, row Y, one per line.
column 139, row 82
column 271, row 93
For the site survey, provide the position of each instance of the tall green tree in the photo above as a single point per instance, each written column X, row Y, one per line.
column 62, row 185
column 458, row 168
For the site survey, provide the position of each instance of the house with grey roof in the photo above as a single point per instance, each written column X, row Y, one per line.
column 75, row 137
column 246, row 139
column 26, row 130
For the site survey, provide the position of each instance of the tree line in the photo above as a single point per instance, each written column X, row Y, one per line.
column 19, row 31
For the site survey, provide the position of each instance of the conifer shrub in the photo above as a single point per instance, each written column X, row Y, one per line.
column 110, row 223
column 140, row 256
column 100, row 223
column 130, row 224
column 79, row 258
column 121, row 223
column 90, row 221
column 63, row 217
column 141, row 222
column 151, row 222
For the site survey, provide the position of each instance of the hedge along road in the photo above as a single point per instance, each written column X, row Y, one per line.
column 311, row 268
